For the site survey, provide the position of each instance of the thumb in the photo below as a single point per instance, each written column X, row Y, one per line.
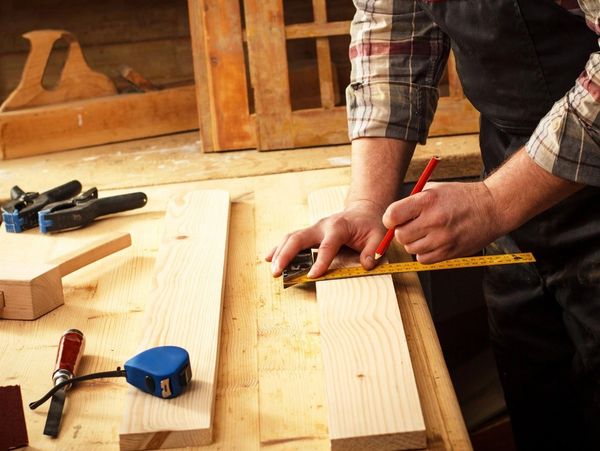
column 367, row 256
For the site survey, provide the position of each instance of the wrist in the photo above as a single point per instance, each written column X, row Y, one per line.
column 521, row 190
column 378, row 168
column 366, row 204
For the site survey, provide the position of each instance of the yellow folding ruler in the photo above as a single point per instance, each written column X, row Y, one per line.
column 295, row 272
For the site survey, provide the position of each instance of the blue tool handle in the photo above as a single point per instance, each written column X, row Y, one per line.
column 116, row 204
column 66, row 191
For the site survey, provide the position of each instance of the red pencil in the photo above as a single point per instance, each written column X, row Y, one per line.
column 389, row 236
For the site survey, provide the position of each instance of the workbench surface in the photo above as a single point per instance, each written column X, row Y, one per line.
column 270, row 383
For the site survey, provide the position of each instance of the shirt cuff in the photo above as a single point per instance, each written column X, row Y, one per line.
column 566, row 144
column 390, row 110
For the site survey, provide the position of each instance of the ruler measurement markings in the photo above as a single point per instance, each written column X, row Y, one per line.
column 392, row 268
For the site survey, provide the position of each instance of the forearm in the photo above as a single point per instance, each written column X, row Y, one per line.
column 378, row 169
column 521, row 190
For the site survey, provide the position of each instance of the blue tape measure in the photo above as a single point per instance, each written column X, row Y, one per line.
column 164, row 371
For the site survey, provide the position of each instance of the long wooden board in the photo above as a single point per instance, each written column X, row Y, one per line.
column 372, row 397
column 89, row 122
column 184, row 310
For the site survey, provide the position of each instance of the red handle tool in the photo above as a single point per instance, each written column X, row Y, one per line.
column 68, row 356
column 70, row 350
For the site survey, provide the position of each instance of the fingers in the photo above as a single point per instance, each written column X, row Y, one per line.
column 271, row 254
column 327, row 252
column 404, row 210
column 290, row 246
column 367, row 259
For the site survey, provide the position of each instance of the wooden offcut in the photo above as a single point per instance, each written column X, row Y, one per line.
column 82, row 123
column 372, row 397
column 28, row 290
column 184, row 310
column 77, row 81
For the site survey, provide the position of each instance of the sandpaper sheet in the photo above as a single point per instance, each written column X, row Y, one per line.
column 13, row 430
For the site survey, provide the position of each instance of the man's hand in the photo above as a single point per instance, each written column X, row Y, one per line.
column 378, row 168
column 449, row 220
column 358, row 227
column 445, row 220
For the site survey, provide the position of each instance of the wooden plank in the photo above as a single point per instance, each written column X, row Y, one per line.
column 292, row 407
column 96, row 121
column 444, row 423
column 184, row 310
column 221, row 85
column 324, row 58
column 269, row 71
column 314, row 30
column 332, row 128
column 177, row 158
column 372, row 395
column 236, row 411
column 454, row 116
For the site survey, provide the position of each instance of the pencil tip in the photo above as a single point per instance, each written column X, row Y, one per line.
column 378, row 255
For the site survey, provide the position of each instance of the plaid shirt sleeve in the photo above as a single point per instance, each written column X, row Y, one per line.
column 566, row 142
column 398, row 55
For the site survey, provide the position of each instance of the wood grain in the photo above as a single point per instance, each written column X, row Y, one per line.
column 270, row 389
column 324, row 57
column 372, row 396
column 77, row 81
column 91, row 253
column 265, row 31
column 219, row 67
column 317, row 30
column 177, row 158
column 184, row 310
column 83, row 123
column 443, row 420
column 33, row 288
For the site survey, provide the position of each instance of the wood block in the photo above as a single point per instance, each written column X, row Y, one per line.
column 29, row 290
column 372, row 396
column 184, row 310
column 51, row 128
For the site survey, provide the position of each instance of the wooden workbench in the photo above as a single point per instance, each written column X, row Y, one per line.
column 270, row 384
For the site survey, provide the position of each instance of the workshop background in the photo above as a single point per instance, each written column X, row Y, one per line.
column 244, row 96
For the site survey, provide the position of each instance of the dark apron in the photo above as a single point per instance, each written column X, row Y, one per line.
column 515, row 58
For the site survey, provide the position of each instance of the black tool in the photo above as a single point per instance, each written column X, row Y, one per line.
column 70, row 350
column 83, row 209
column 21, row 213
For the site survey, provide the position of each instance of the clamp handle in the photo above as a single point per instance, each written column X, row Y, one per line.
column 117, row 204
column 65, row 191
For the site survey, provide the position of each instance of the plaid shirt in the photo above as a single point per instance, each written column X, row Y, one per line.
column 398, row 53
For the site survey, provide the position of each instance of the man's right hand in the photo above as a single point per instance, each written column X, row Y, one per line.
column 359, row 227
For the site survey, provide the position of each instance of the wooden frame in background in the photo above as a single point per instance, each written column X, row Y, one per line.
column 222, row 87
